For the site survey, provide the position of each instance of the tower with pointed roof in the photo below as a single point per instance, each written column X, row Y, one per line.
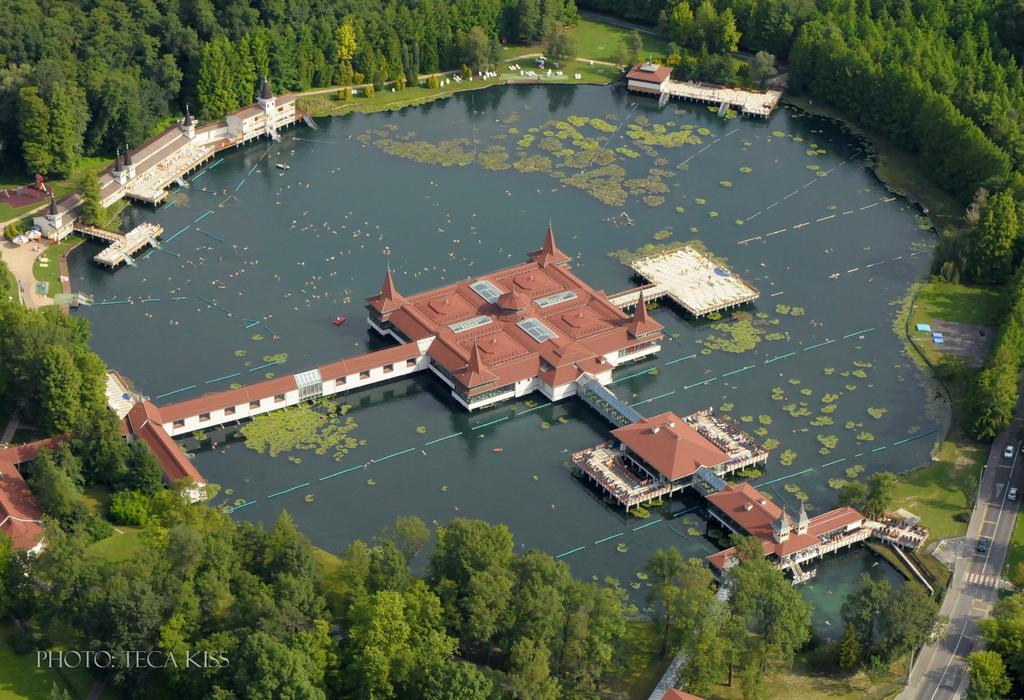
column 803, row 522
column 781, row 527
column 129, row 166
column 188, row 125
column 549, row 254
column 642, row 324
column 54, row 217
column 387, row 301
column 119, row 172
column 266, row 100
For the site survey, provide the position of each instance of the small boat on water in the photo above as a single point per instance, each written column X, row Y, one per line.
column 339, row 320
column 496, row 449
column 283, row 166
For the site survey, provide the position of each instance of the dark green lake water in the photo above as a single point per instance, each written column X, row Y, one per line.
column 295, row 248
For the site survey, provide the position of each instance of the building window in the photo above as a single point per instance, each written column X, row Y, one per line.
column 364, row 374
column 229, row 411
column 204, row 417
column 340, row 381
column 254, row 405
column 279, row 398
column 388, row 369
column 179, row 424
column 410, row 364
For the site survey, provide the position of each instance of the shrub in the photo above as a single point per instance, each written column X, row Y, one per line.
column 129, row 508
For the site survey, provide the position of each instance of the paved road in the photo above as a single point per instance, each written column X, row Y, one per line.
column 940, row 671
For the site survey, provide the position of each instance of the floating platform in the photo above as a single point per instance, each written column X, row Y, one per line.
column 747, row 102
column 691, row 279
column 122, row 245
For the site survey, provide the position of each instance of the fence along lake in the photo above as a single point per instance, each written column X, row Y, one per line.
column 258, row 260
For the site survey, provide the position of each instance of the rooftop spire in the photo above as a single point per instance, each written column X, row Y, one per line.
column 549, row 253
column 476, row 373
column 781, row 527
column 265, row 93
column 389, row 299
column 127, row 155
column 642, row 324
column 803, row 521
column 52, row 211
column 119, row 161
column 188, row 116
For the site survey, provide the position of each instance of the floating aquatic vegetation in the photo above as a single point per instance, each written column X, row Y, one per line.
column 628, row 152
column 761, row 432
column 854, row 471
column 787, row 457
column 321, row 427
column 240, row 353
column 865, row 436
column 746, row 419
column 544, row 425
column 794, row 381
column 662, row 235
column 814, row 167
column 778, row 393
column 822, row 421
column 737, row 336
column 746, row 169
column 713, row 214
column 726, row 407
column 269, row 375
column 795, row 410
column 859, row 373
column 279, row 357
column 771, row 444
column 862, row 363
column 653, row 200
column 797, row 492
column 725, row 183
column 533, row 164
column 806, row 392
column 526, row 141
column 830, row 370
column 604, row 183
column 877, row 413
column 775, row 336
column 829, row 441
column 257, row 337
column 494, row 158
column 740, row 222
column 421, row 429
column 837, row 483
column 602, row 125
column 235, row 385
column 371, row 482
column 764, row 420
column 308, row 498
column 700, row 201
column 830, row 398
column 779, row 134
column 621, row 548
column 680, row 210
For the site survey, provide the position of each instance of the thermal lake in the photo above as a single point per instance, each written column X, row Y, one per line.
column 257, row 260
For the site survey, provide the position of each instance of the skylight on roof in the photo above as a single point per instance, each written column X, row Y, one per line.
column 470, row 323
column 553, row 299
column 537, row 330
column 486, row 290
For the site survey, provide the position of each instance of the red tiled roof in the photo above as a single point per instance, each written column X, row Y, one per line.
column 18, row 454
column 586, row 323
column 674, row 694
column 224, row 399
column 389, row 299
column 145, row 422
column 642, row 324
column 670, row 445
column 756, row 515
column 19, row 512
column 649, row 73
column 476, row 373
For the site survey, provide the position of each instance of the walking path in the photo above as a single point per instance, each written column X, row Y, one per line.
column 19, row 260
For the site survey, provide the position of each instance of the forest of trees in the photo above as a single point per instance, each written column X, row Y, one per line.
column 84, row 78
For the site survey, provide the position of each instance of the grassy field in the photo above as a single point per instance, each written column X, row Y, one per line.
column 1015, row 554
column 21, row 680
column 803, row 682
column 958, row 303
column 62, row 187
column 595, row 40
column 118, row 547
column 51, row 273
column 936, row 492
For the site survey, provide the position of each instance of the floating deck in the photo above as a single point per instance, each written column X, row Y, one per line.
column 122, row 245
column 689, row 278
column 748, row 102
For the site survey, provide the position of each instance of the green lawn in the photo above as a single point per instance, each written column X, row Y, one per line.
column 1015, row 554
column 958, row 303
column 593, row 40
column 62, row 187
column 119, row 546
column 935, row 492
column 20, row 679
column 51, row 273
column 803, row 682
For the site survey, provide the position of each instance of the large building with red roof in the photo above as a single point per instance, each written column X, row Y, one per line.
column 648, row 77
column 531, row 327
column 787, row 543
column 20, row 514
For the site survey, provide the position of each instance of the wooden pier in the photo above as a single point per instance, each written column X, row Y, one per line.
column 122, row 245
column 747, row 102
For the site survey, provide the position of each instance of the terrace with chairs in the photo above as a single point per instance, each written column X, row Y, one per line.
column 621, row 480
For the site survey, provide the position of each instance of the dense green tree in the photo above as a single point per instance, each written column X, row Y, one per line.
column 1004, row 632
column 456, row 680
column 763, row 68
column 408, row 534
column 529, row 677
column 559, row 44
column 34, row 131
column 989, row 680
column 996, row 239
